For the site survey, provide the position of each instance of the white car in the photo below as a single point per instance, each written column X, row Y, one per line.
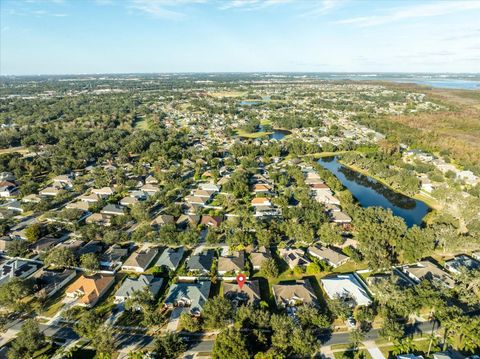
column 351, row 322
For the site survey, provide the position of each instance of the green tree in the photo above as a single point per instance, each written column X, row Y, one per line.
column 230, row 344
column 269, row 268
column 28, row 341
column 104, row 341
column 12, row 293
column 88, row 325
column 310, row 317
column 17, row 248
column 392, row 329
column 189, row 323
column 169, row 346
column 330, row 234
column 60, row 257
column 89, row 261
column 33, row 232
column 217, row 312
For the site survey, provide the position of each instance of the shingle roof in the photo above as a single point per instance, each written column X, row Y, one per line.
column 131, row 285
column 171, row 258
column 201, row 262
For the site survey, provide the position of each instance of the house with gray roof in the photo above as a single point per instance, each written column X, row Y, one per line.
column 113, row 256
column 113, row 210
column 332, row 257
column 131, row 285
column 461, row 262
column 170, row 258
column 140, row 260
column 201, row 263
column 17, row 268
column 49, row 282
column 190, row 295
column 259, row 256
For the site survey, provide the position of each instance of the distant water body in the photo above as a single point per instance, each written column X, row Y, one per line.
column 449, row 81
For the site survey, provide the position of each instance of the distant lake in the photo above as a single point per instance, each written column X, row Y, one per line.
column 370, row 192
column 450, row 81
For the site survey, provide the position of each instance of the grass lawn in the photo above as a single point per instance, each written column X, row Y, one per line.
column 246, row 134
column 45, row 352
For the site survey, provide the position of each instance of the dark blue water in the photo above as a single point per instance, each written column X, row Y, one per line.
column 370, row 192
column 279, row 134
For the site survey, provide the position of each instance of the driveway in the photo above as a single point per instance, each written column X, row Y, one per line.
column 174, row 319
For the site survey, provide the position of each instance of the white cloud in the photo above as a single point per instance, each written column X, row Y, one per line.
column 251, row 5
column 415, row 11
column 162, row 8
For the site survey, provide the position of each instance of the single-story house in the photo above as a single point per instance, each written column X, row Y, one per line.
column 161, row 220
column 17, row 268
column 346, row 287
column 259, row 256
column 187, row 219
column 460, row 262
column 294, row 257
column 211, row 221
column 293, row 294
column 333, row 257
column 49, row 191
column 234, row 263
column 89, row 289
column 140, row 260
column 113, row 256
column 113, row 210
column 49, row 282
column 103, row 192
column 340, row 217
column 248, row 294
column 201, row 263
column 189, row 295
column 131, row 285
column 98, row 219
column 260, row 201
column 170, row 258
column 426, row 270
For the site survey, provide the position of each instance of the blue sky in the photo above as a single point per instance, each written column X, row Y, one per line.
column 118, row 36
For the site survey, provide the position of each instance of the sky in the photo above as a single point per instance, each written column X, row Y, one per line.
column 151, row 36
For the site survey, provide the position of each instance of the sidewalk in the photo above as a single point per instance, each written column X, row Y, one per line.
column 372, row 348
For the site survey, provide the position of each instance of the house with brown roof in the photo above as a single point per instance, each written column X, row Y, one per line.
column 99, row 219
column 89, row 289
column 293, row 294
column 140, row 260
column 103, row 192
column 211, row 221
column 248, row 294
column 261, row 188
column 233, row 263
column 188, row 219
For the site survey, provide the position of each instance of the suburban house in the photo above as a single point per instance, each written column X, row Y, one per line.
column 94, row 247
column 113, row 256
column 46, row 243
column 140, row 260
column 48, row 282
column 293, row 294
column 340, row 217
column 346, row 287
column 187, row 219
column 161, row 220
column 99, row 219
column 89, row 198
column 170, row 258
column 17, row 268
column 7, row 189
column 103, row 192
column 234, row 263
column 294, row 257
column 211, row 221
column 248, row 294
column 198, row 201
column 65, row 181
column 131, row 285
column 150, row 189
column 261, row 201
column 259, row 256
column 460, row 262
column 113, row 210
column 426, row 270
column 128, row 201
column 332, row 257
column 89, row 289
column 189, row 295
column 326, row 198
column 201, row 263
column 49, row 192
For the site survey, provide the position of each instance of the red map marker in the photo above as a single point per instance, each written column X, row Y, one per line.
column 241, row 279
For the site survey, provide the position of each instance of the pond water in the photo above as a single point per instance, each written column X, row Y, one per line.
column 370, row 192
